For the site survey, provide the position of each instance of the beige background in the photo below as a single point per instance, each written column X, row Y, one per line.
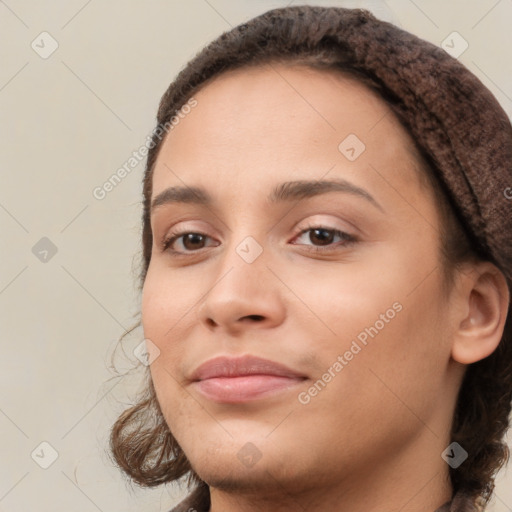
column 67, row 123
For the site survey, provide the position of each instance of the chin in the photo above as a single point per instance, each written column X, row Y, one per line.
column 232, row 477
column 243, row 466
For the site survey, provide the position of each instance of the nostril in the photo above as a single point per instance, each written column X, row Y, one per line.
column 255, row 317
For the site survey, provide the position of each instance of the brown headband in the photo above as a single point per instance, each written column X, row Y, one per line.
column 455, row 120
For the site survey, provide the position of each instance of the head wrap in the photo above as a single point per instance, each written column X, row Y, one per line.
column 455, row 120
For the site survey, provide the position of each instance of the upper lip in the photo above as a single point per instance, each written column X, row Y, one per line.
column 223, row 366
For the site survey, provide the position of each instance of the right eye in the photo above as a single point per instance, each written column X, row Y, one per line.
column 190, row 241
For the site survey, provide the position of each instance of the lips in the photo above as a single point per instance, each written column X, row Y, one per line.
column 241, row 379
column 241, row 366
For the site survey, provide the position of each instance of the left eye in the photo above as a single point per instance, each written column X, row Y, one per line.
column 324, row 237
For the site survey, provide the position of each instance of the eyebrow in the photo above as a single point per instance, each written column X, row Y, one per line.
column 288, row 191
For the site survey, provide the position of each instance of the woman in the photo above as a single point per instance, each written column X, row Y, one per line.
column 327, row 270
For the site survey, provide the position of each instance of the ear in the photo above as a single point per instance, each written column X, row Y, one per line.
column 484, row 300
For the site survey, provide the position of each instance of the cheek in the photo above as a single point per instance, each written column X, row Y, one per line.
column 392, row 337
column 161, row 309
column 392, row 379
column 402, row 368
column 166, row 303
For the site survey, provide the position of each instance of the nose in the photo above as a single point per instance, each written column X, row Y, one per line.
column 242, row 295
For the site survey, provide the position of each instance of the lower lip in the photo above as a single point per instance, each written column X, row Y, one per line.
column 244, row 388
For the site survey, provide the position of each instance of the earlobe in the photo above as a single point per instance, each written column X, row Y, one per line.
column 479, row 328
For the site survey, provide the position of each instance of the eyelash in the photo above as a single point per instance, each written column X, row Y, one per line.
column 348, row 240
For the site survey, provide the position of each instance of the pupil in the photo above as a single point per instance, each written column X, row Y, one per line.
column 323, row 239
column 193, row 238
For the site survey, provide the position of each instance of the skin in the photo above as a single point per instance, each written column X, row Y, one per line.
column 375, row 433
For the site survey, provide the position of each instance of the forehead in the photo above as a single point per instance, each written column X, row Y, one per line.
column 260, row 123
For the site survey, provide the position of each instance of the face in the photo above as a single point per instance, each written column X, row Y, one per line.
column 339, row 283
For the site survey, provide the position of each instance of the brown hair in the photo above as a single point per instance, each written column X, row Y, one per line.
column 328, row 38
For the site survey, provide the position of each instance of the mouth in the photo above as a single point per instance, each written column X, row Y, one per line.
column 234, row 390
column 243, row 379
